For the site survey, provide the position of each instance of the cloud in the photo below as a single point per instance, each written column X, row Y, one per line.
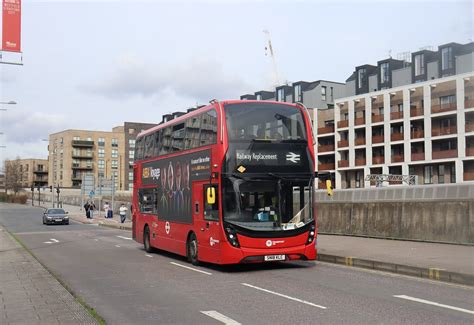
column 20, row 127
column 199, row 80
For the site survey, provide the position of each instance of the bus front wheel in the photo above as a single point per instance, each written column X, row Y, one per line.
column 193, row 249
column 146, row 240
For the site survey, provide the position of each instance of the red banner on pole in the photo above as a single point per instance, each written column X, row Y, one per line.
column 11, row 29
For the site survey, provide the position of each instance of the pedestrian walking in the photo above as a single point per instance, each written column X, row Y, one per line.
column 123, row 212
column 106, row 210
column 86, row 208
column 92, row 207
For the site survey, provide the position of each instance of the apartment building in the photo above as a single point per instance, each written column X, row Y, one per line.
column 109, row 155
column 404, row 118
column 32, row 171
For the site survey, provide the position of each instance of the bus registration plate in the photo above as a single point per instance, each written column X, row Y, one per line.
column 269, row 258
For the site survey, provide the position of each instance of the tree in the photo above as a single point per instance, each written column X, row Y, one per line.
column 13, row 175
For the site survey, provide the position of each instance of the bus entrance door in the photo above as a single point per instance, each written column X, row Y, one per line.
column 206, row 218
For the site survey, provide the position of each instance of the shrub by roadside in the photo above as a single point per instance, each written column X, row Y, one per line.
column 13, row 198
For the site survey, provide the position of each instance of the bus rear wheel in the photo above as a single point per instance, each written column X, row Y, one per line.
column 192, row 249
column 146, row 240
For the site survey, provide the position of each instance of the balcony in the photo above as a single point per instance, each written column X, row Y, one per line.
column 469, row 103
column 469, row 176
column 359, row 121
column 443, row 108
column 326, row 129
column 79, row 166
column 417, row 134
column 359, row 141
column 377, row 118
column 417, row 111
column 443, row 131
column 360, row 162
column 377, row 160
column 326, row 148
column 343, row 163
column 377, row 138
column 469, row 126
column 40, row 172
column 445, row 154
column 326, row 166
column 469, row 151
column 76, row 178
column 82, row 155
column 342, row 143
column 417, row 156
column 396, row 136
column 398, row 158
column 396, row 115
column 343, row 124
column 82, row 143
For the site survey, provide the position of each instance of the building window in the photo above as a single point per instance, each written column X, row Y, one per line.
column 446, row 100
column 130, row 176
column 130, row 187
column 114, row 143
column 361, row 78
column 357, row 179
column 101, row 164
column 419, row 65
column 323, row 92
column 131, row 131
column 428, row 175
column 76, row 138
column 259, row 97
column 131, row 143
column 114, row 164
column 453, row 174
column 101, row 142
column 384, row 73
column 331, row 92
column 281, row 95
column 100, row 153
column 100, row 174
column 298, row 95
column 447, row 58
column 131, row 154
column 441, row 174
column 89, row 139
column 114, row 153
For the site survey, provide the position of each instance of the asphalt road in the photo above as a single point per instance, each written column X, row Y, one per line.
column 126, row 285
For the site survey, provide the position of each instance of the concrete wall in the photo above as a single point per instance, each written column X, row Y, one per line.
column 373, row 83
column 433, row 72
column 444, row 221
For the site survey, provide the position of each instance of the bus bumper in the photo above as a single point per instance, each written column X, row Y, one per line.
column 232, row 255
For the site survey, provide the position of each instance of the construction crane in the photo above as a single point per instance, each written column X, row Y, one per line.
column 269, row 48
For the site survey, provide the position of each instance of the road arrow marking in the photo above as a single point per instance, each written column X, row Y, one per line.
column 423, row 301
column 54, row 240
column 220, row 317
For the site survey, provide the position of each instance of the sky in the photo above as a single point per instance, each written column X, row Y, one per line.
column 95, row 64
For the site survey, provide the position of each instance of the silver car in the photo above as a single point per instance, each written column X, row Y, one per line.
column 53, row 216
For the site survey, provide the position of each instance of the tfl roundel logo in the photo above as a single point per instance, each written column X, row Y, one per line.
column 269, row 243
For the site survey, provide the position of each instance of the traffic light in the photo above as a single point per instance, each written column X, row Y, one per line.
column 57, row 189
column 50, row 188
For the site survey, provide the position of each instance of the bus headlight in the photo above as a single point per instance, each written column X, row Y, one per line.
column 232, row 236
column 311, row 234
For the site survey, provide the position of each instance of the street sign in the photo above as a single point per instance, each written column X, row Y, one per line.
column 91, row 194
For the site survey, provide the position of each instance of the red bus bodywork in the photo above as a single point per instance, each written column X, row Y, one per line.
column 213, row 243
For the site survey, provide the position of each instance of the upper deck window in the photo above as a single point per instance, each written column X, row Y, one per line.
column 258, row 121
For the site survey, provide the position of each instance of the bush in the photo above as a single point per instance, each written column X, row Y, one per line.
column 11, row 198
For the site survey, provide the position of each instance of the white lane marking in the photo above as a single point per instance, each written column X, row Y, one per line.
column 54, row 240
column 148, row 255
column 190, row 268
column 127, row 238
column 284, row 296
column 423, row 301
column 96, row 239
column 221, row 318
column 48, row 242
column 117, row 245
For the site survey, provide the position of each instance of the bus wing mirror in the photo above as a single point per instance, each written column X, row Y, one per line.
column 329, row 187
column 211, row 195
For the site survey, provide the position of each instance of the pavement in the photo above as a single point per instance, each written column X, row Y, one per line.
column 29, row 294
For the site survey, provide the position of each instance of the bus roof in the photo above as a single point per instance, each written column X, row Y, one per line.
column 205, row 108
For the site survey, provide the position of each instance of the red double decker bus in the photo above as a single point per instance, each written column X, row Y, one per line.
column 231, row 182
